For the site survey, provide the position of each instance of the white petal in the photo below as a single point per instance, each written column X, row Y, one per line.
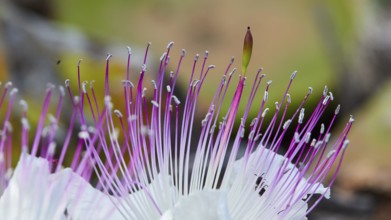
column 31, row 194
column 203, row 205
column 86, row 202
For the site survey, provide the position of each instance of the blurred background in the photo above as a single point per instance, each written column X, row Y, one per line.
column 345, row 44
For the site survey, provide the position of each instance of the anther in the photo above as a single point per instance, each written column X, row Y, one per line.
column 232, row 72
column 326, row 99
column 92, row 84
column 169, row 46
column 337, row 109
column 143, row 92
column 331, row 153
column 155, row 103
column 345, row 144
column 84, row 84
column 301, row 116
column 154, row 84
column 163, row 56
column 67, row 81
column 257, row 137
column 310, row 90
column 266, row 96
column 251, row 135
column 265, row 112
column 331, row 96
column 8, row 84
column 143, row 67
column 25, row 123
column 294, row 74
column 253, row 122
column 196, row 57
column 52, row 148
column 313, row 142
column 83, row 135
column 176, row 100
column 118, row 113
column 297, row 137
column 327, row 138
column 13, row 91
column 108, row 57
column 62, row 90
column 308, row 137
column 24, row 104
column 322, row 128
column 286, row 124
column 318, row 144
column 325, row 91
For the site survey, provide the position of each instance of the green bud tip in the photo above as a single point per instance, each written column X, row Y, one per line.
column 247, row 50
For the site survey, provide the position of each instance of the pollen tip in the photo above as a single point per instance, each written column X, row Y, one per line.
column 293, row 75
column 288, row 98
column 331, row 153
column 345, row 144
column 310, row 90
column 92, row 84
column 83, row 135
column 154, row 103
column 25, row 123
column 154, row 84
column 163, row 56
column 118, row 113
column 67, row 81
column 129, row 50
column 62, row 90
column 337, row 109
column 8, row 84
column 196, row 57
column 84, row 87
column 286, row 124
column 108, row 57
column 13, row 91
column 176, row 100
column 143, row 68
column 52, row 148
column 265, row 112
column 232, row 72
column 169, row 45
column 24, row 104
column 325, row 91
